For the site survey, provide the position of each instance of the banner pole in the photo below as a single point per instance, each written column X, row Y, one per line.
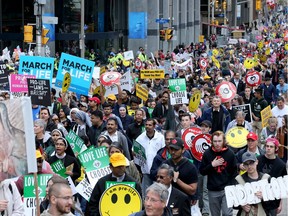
column 37, row 194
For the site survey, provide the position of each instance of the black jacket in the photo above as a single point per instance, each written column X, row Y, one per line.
column 179, row 203
column 94, row 132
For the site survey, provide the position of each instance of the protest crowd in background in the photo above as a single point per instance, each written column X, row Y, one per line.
column 192, row 119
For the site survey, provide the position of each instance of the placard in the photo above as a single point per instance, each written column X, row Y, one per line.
column 266, row 113
column 4, row 80
column 39, row 91
column 140, row 155
column 18, row 82
column 128, row 55
column 81, row 71
column 178, row 93
column 76, row 143
column 85, row 189
column 141, row 92
column 152, row 74
column 125, row 81
column 246, row 108
column 59, row 168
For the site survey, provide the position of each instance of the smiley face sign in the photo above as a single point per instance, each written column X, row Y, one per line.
column 110, row 78
column 195, row 101
column 249, row 63
column 286, row 46
column 253, row 78
column 226, row 91
column 120, row 200
column 215, row 52
column 260, row 44
column 199, row 145
column 66, row 82
column 236, row 137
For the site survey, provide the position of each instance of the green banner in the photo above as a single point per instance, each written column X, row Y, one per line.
column 59, row 168
column 76, row 143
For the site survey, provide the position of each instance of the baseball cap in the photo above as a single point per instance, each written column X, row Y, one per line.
column 111, row 97
column 118, row 159
column 176, row 143
column 207, row 77
column 38, row 154
column 273, row 140
column 252, row 135
column 96, row 99
column 207, row 123
column 83, row 104
column 247, row 156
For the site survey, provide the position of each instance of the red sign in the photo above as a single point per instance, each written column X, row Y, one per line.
column 199, row 145
column 110, row 78
column 189, row 135
column 226, row 91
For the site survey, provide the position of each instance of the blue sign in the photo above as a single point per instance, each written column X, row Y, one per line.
column 137, row 25
column 40, row 67
column 81, row 71
column 162, row 21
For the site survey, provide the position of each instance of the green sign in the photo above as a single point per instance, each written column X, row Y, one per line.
column 178, row 90
column 59, row 168
column 76, row 143
column 140, row 155
column 109, row 184
column 176, row 85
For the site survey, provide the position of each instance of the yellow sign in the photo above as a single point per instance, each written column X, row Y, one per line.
column 236, row 137
column 152, row 74
column 216, row 62
column 141, row 92
column 267, row 51
column 286, row 46
column 66, row 82
column 120, row 200
column 249, row 63
column 265, row 115
column 215, row 52
column 195, row 101
column 102, row 70
column 44, row 34
column 260, row 44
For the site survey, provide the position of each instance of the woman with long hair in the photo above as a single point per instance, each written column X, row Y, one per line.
column 282, row 136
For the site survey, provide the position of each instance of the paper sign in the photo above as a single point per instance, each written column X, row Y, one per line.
column 141, row 92
column 109, row 184
column 96, row 73
column 128, row 55
column 152, row 74
column 59, row 168
column 30, row 193
column 40, row 67
column 71, row 184
column 178, row 93
column 126, row 83
column 39, row 91
column 81, row 71
column 4, row 73
column 85, row 189
column 265, row 115
column 18, row 83
column 246, row 108
column 76, row 143
column 140, row 155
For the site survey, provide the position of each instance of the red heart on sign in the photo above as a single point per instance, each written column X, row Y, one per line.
column 253, row 78
column 226, row 91
column 110, row 78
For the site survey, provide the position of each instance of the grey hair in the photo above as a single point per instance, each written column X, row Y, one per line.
column 169, row 169
column 41, row 123
column 240, row 112
column 159, row 189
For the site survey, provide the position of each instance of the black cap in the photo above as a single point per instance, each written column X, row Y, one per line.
column 207, row 123
column 176, row 143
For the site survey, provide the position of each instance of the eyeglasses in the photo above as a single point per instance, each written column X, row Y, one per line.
column 269, row 146
column 249, row 163
column 66, row 198
column 151, row 200
column 161, row 177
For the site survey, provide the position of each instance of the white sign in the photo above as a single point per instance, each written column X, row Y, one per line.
column 245, row 194
column 96, row 73
column 49, row 20
column 128, row 55
column 126, row 83
column 85, row 189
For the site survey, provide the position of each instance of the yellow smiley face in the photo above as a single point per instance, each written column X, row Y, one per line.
column 260, row 44
column 194, row 101
column 236, row 137
column 286, row 46
column 263, row 58
column 249, row 63
column 267, row 51
column 215, row 52
column 66, row 82
column 120, row 200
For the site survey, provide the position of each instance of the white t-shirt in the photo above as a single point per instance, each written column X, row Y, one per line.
column 276, row 112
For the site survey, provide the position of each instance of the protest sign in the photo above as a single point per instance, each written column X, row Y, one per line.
column 39, row 91
column 76, row 143
column 81, row 71
column 140, row 155
column 30, row 193
column 96, row 163
column 85, row 189
column 246, row 108
column 18, row 83
column 141, row 92
column 109, row 184
column 240, row 194
column 59, row 168
column 4, row 73
column 125, row 81
column 178, row 90
column 128, row 55
column 72, row 185
column 266, row 113
column 40, row 67
column 152, row 74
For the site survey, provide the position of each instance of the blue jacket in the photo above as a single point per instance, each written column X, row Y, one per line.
column 207, row 115
column 269, row 92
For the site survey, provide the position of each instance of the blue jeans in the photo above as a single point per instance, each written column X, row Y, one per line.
column 217, row 203
column 146, row 182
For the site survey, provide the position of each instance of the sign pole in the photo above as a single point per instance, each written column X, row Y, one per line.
column 37, row 194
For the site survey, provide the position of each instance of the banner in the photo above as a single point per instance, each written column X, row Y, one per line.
column 152, row 74
column 246, row 108
column 141, row 92
column 85, row 189
column 76, row 143
column 81, row 71
column 39, row 91
column 178, row 90
column 140, row 155
column 18, row 83
column 30, row 194
column 96, row 163
column 266, row 113
column 17, row 138
column 40, row 67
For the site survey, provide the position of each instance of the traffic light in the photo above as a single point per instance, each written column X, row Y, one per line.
column 44, row 38
column 224, row 5
column 162, row 35
column 169, row 34
column 28, row 34
column 201, row 38
column 258, row 5
column 216, row 4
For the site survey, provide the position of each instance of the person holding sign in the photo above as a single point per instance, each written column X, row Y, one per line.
column 118, row 164
column 250, row 163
